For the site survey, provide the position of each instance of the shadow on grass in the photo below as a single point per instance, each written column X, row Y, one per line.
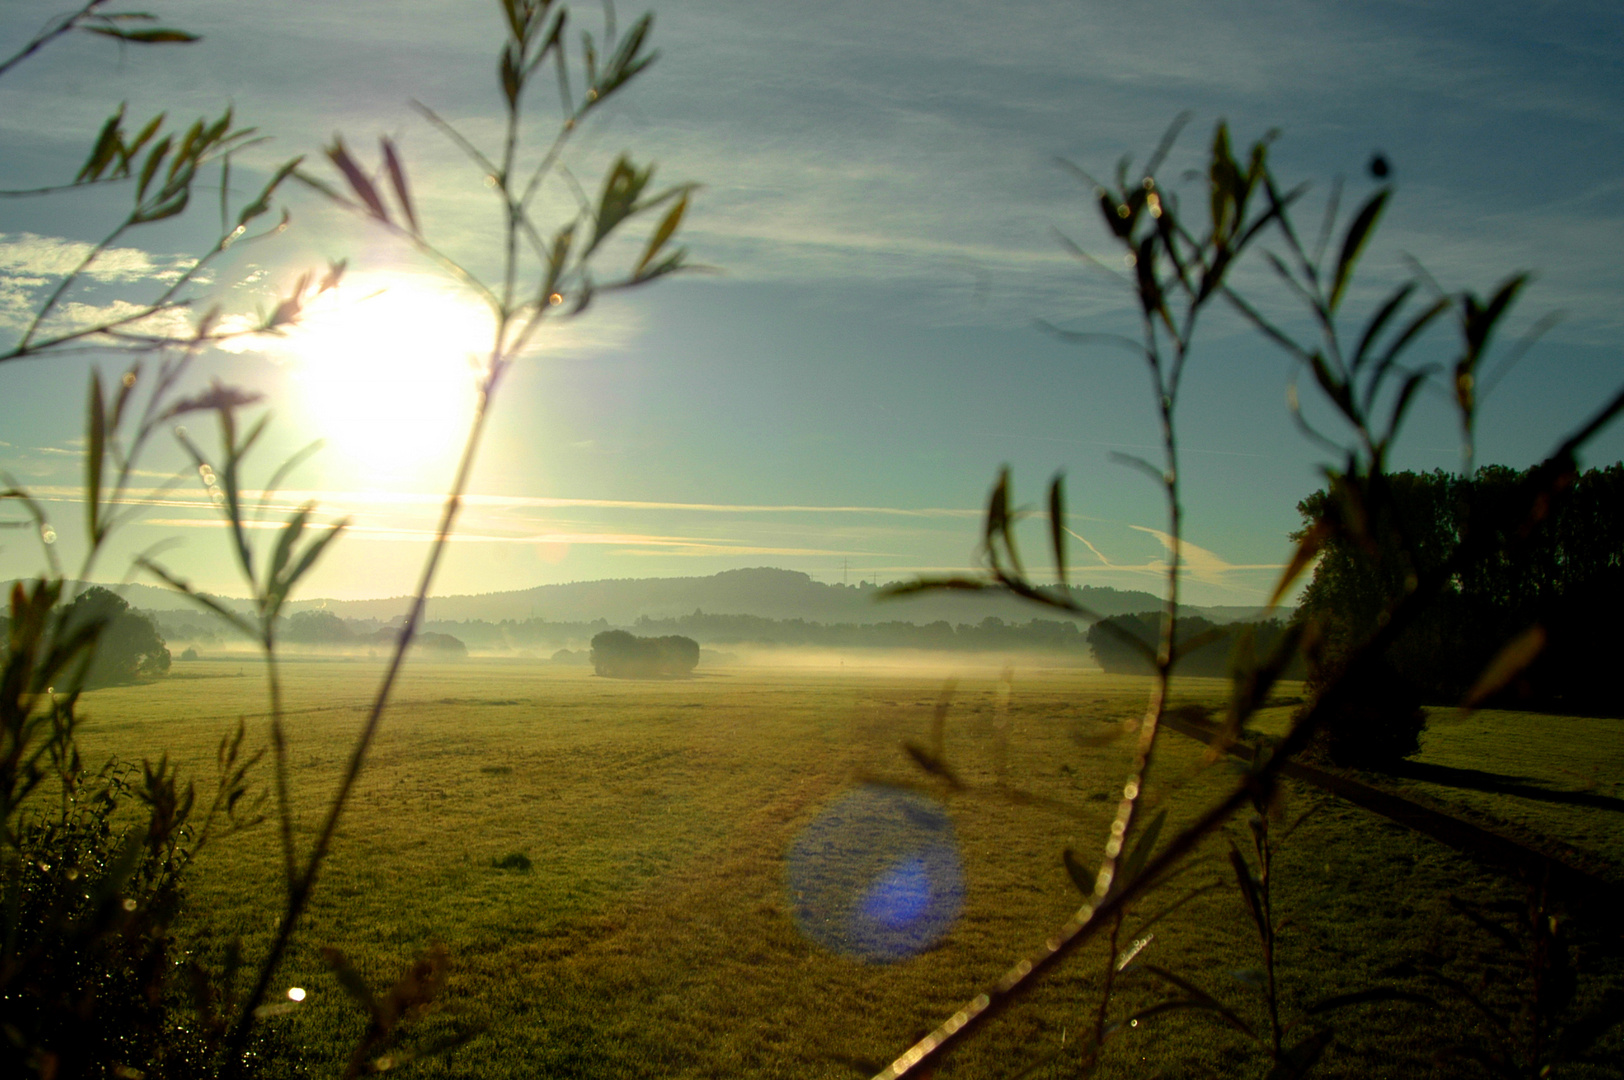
column 1522, row 787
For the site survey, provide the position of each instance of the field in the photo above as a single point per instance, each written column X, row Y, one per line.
column 652, row 934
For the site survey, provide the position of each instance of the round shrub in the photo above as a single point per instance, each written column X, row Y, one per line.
column 620, row 655
column 1377, row 724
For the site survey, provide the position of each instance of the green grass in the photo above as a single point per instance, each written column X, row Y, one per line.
column 1554, row 782
column 651, row 934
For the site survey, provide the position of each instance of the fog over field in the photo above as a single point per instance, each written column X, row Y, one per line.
column 623, row 852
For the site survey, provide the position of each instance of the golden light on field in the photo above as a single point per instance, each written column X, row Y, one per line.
column 387, row 370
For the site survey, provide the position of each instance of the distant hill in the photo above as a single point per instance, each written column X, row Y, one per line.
column 1228, row 613
column 763, row 592
column 154, row 597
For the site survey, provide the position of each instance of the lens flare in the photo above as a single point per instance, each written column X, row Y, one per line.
column 877, row 876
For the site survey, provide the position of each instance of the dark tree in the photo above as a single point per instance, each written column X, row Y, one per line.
column 1562, row 582
column 128, row 645
column 620, row 655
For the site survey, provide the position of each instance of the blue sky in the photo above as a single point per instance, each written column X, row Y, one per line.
column 880, row 195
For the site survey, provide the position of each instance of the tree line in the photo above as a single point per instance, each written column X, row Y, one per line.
column 1555, row 591
column 1559, row 596
column 319, row 627
column 990, row 634
column 1204, row 648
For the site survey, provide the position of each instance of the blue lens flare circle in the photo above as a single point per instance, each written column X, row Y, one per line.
column 877, row 876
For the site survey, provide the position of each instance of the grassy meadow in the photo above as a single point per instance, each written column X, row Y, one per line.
column 651, row 934
column 1555, row 783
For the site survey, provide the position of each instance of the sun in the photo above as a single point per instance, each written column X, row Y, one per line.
column 387, row 370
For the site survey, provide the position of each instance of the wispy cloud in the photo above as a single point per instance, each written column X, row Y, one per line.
column 1080, row 538
column 720, row 508
column 716, row 549
column 915, row 141
column 35, row 258
column 289, row 499
column 1025, row 437
column 1202, row 565
column 30, row 264
column 405, row 516
column 637, row 543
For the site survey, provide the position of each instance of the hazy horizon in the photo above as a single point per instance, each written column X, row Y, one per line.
column 758, row 592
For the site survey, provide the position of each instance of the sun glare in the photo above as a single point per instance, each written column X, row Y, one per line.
column 387, row 371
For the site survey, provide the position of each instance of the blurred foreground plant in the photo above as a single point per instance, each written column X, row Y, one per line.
column 1529, row 958
column 92, row 861
column 547, row 273
column 163, row 166
column 1179, row 265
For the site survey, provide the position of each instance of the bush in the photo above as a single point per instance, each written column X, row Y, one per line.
column 318, row 628
column 444, row 646
column 70, row 878
column 93, row 884
column 620, row 655
column 1378, row 724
